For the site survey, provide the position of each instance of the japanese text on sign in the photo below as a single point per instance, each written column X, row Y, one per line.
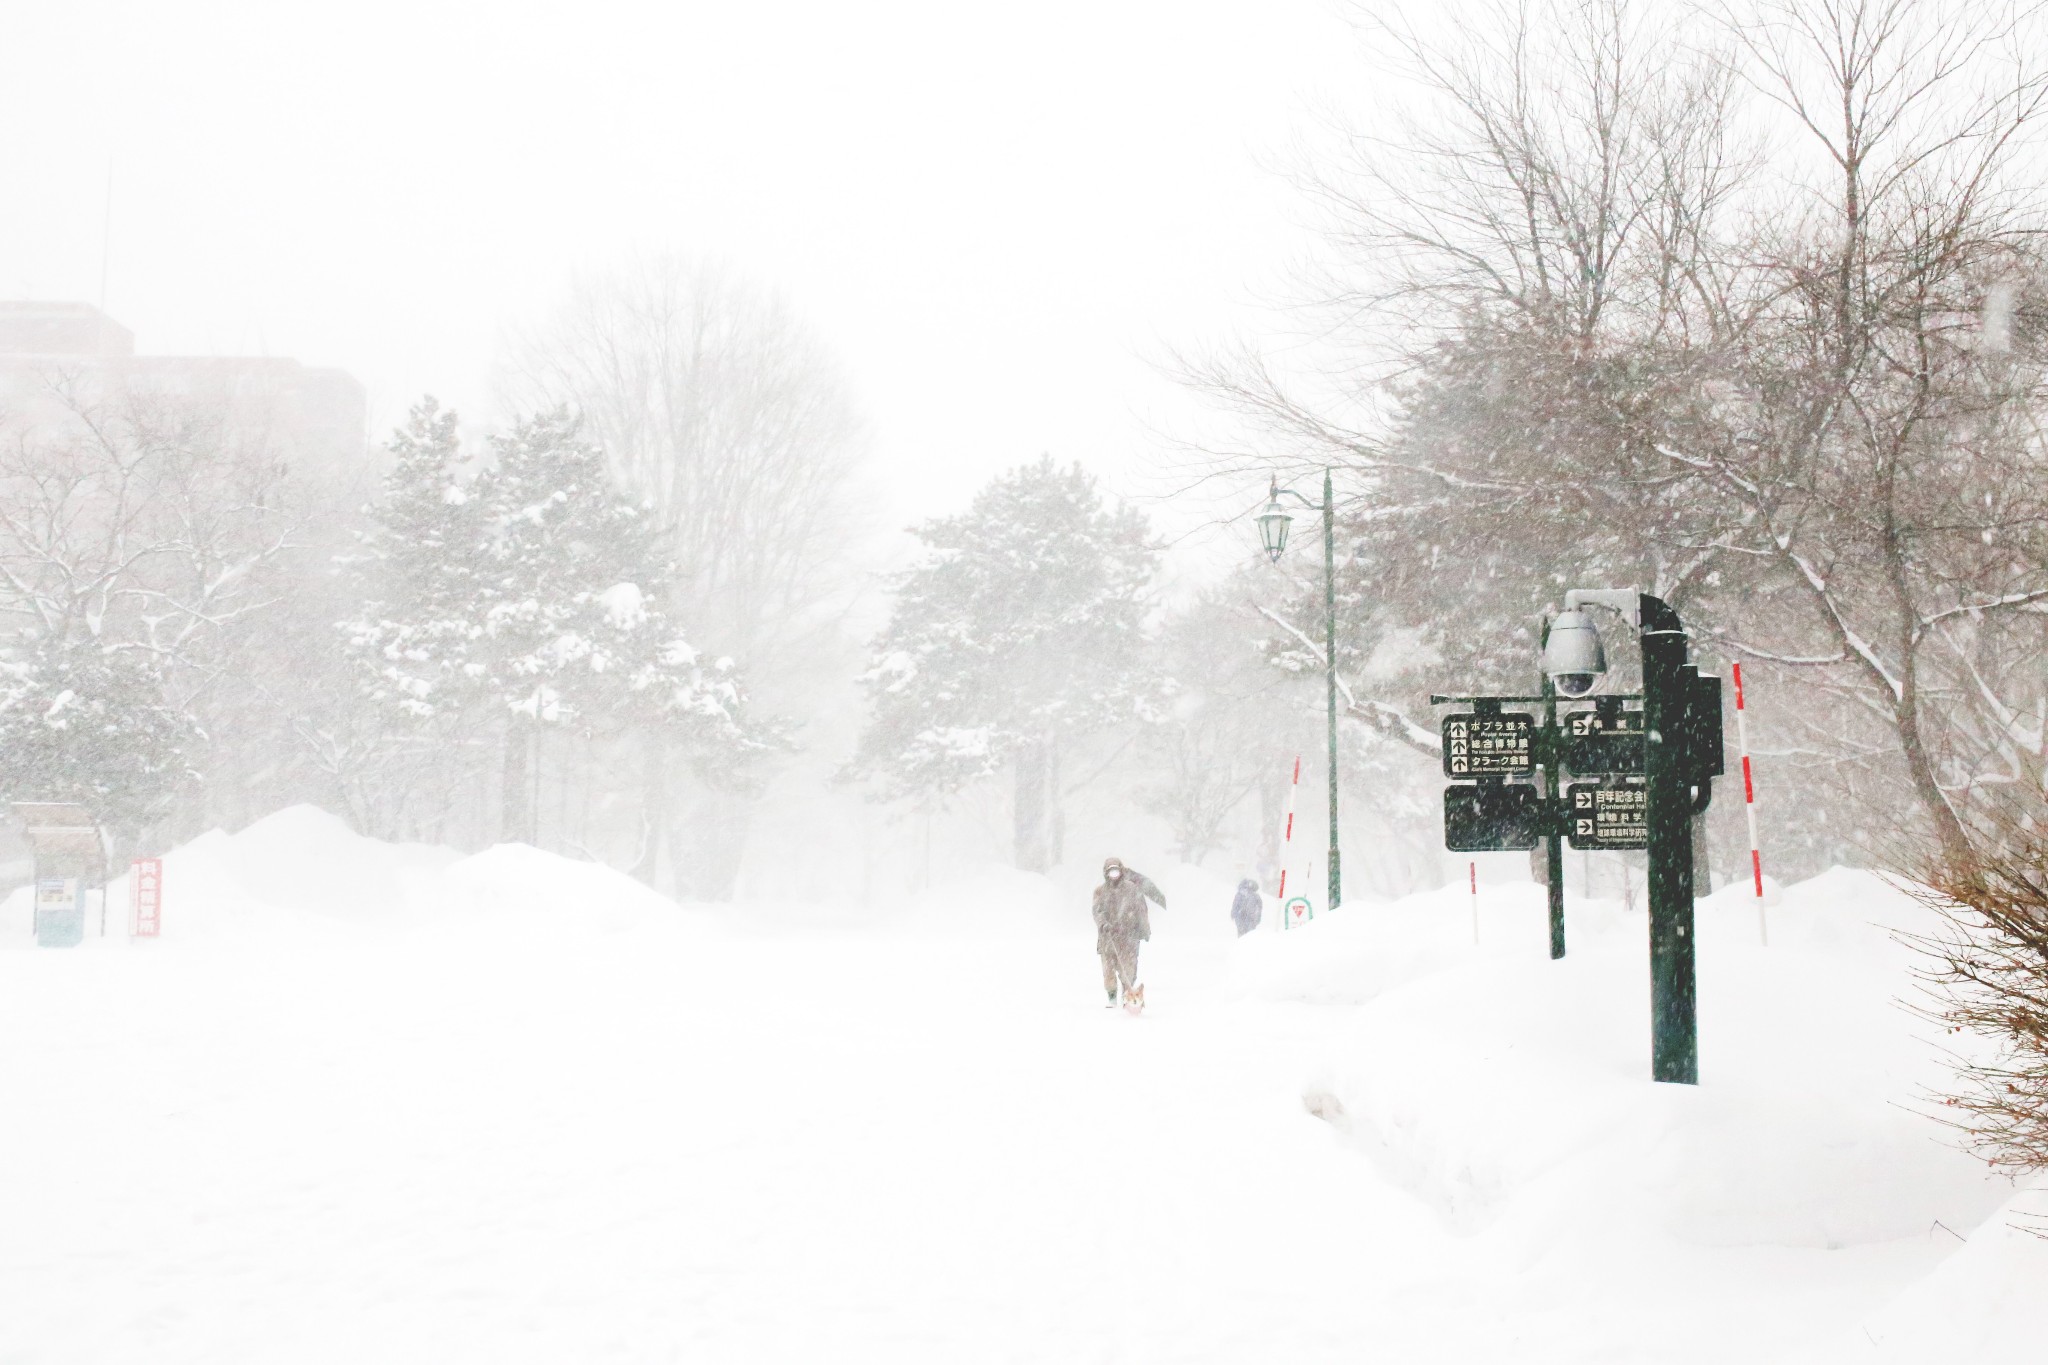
column 1608, row 815
column 1603, row 740
column 147, row 877
column 1599, row 722
column 1489, row 746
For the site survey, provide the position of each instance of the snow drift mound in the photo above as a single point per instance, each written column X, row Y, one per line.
column 303, row 859
column 302, row 871
column 517, row 882
column 1500, row 1086
column 1981, row 1304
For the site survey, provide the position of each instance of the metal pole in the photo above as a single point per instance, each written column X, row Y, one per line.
column 1756, row 857
column 1330, row 669
column 1472, row 870
column 1554, row 857
column 1553, row 782
column 1674, row 1025
column 1287, row 838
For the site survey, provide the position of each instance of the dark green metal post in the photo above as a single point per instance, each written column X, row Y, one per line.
column 1556, row 870
column 1330, row 671
column 1553, row 790
column 1674, row 1025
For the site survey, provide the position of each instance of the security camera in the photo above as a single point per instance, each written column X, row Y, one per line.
column 1573, row 657
column 1575, row 684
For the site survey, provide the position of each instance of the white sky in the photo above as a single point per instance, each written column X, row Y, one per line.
column 1000, row 217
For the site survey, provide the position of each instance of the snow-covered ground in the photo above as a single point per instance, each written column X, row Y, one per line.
column 374, row 1103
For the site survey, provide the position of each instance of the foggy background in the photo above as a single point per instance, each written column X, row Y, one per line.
column 1000, row 222
column 821, row 283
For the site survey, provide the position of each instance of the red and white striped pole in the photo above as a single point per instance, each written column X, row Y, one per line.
column 1287, row 835
column 1472, row 869
column 1756, row 857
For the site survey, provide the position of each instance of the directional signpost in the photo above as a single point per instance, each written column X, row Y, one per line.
column 1608, row 814
column 1606, row 739
column 1495, row 744
column 1487, row 817
column 1646, row 769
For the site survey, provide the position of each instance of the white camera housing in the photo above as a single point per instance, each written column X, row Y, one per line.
column 1573, row 657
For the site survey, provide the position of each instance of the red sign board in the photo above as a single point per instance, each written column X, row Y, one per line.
column 147, row 879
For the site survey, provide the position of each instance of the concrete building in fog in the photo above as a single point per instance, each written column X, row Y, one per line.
column 51, row 351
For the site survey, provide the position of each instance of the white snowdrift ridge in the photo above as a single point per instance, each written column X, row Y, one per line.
column 368, row 1101
column 1509, row 1094
column 304, row 872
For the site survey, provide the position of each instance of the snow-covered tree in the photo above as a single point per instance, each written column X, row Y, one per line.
column 530, row 595
column 428, row 544
column 1018, row 631
column 143, row 522
column 88, row 725
column 146, row 538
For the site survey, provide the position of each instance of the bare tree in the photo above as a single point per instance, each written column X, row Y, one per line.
column 723, row 412
column 1224, row 727
column 1581, row 334
column 141, row 523
column 1522, row 290
column 1986, row 974
column 1881, row 445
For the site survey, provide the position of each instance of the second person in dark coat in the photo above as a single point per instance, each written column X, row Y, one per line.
column 1248, row 908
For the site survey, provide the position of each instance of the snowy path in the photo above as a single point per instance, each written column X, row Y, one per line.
column 617, row 1135
column 668, row 1147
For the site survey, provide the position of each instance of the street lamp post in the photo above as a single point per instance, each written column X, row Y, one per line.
column 1273, row 524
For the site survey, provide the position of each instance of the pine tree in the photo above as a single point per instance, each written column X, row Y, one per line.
column 89, row 725
column 575, row 618
column 1019, row 631
column 531, row 597
column 418, row 635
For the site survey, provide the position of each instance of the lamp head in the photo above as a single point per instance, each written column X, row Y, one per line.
column 1273, row 524
column 1573, row 657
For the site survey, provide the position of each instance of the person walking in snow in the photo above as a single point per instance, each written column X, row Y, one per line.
column 1247, row 909
column 1122, row 922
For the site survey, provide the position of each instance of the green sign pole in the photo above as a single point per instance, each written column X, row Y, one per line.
column 1553, row 779
column 1652, row 771
column 1674, row 1024
column 1330, row 672
column 1553, row 788
column 1273, row 525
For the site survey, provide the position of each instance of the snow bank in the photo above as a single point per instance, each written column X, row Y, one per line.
column 517, row 882
column 302, row 872
column 401, row 1142
column 1497, row 1084
column 1511, row 1094
column 1981, row 1304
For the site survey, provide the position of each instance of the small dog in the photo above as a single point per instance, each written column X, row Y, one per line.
column 1134, row 1000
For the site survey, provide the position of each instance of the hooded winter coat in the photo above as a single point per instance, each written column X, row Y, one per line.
column 1120, row 909
column 1247, row 909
